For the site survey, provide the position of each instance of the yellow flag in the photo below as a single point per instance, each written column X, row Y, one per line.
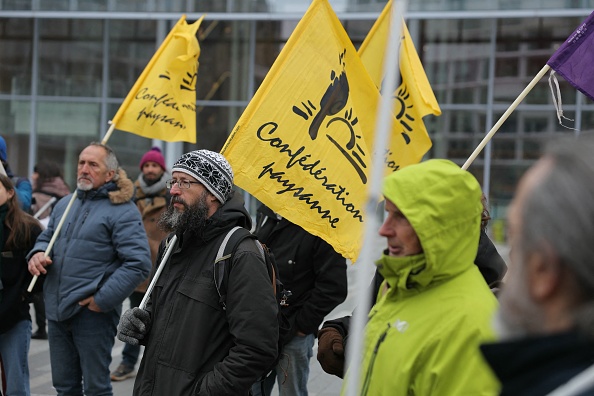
column 302, row 146
column 414, row 98
column 162, row 102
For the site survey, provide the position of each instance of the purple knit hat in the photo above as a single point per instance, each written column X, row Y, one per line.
column 153, row 155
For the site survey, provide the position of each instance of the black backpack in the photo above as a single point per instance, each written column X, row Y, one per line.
column 222, row 267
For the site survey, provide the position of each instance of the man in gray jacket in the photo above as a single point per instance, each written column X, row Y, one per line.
column 100, row 255
column 194, row 346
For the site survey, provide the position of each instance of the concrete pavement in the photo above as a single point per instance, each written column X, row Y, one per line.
column 320, row 383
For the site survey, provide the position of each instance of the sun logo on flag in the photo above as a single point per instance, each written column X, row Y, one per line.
column 188, row 82
column 403, row 111
column 333, row 101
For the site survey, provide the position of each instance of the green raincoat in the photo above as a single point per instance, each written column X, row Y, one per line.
column 423, row 334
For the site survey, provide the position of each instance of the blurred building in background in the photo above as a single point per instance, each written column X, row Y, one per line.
column 66, row 65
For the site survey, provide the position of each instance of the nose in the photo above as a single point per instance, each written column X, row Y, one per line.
column 386, row 230
column 175, row 190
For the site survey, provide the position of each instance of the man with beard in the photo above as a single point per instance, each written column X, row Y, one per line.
column 152, row 198
column 192, row 345
column 546, row 316
column 100, row 255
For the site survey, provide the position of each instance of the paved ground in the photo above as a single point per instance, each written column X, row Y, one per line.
column 320, row 383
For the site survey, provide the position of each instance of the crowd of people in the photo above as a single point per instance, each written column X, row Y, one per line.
column 446, row 318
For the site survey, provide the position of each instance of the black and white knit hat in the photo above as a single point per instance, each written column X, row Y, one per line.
column 209, row 168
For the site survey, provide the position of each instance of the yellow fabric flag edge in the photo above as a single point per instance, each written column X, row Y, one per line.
column 151, row 63
column 411, row 56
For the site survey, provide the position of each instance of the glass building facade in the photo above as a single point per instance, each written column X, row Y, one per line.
column 66, row 65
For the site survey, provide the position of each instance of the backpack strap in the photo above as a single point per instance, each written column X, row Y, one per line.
column 222, row 263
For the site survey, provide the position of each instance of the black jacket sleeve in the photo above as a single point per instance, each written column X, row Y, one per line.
column 489, row 262
column 342, row 324
column 330, row 287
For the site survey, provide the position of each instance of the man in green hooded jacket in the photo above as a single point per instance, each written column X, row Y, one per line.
column 434, row 308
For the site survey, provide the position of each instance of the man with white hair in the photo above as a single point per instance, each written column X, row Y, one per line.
column 100, row 255
column 546, row 316
column 194, row 345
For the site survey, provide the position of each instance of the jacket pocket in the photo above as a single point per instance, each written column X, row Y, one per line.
column 201, row 290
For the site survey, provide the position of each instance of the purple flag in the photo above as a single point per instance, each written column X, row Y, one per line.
column 574, row 59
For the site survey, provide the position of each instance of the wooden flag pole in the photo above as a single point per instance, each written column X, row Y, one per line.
column 504, row 117
column 108, row 133
column 61, row 223
column 53, row 240
column 383, row 128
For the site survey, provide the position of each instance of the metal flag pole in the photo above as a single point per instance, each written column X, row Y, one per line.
column 149, row 290
column 382, row 138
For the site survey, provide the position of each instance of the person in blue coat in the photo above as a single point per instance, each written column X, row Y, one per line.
column 100, row 255
column 23, row 187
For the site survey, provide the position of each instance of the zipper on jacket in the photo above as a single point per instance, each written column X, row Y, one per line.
column 85, row 217
column 367, row 380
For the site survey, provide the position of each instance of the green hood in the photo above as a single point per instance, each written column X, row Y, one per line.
column 443, row 204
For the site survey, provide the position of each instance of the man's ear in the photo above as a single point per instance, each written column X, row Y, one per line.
column 544, row 274
column 110, row 176
column 213, row 200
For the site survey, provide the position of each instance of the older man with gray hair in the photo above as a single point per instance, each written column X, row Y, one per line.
column 546, row 316
column 100, row 255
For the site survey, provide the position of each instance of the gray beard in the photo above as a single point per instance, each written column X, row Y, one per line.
column 507, row 329
column 193, row 218
column 84, row 186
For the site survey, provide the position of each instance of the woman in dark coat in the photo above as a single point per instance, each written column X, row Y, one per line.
column 17, row 236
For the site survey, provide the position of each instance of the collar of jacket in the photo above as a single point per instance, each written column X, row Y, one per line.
column 119, row 192
column 548, row 358
column 404, row 273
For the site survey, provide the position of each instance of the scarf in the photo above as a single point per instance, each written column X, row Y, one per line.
column 153, row 189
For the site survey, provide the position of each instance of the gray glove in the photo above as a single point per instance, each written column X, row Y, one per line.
column 134, row 325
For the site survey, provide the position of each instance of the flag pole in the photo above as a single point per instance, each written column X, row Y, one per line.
column 44, row 207
column 382, row 138
column 149, row 290
column 53, row 240
column 109, row 132
column 504, row 117
column 61, row 223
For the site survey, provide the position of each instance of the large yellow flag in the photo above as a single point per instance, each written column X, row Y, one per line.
column 162, row 102
column 302, row 146
column 414, row 98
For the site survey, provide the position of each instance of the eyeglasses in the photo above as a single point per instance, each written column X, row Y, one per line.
column 181, row 184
